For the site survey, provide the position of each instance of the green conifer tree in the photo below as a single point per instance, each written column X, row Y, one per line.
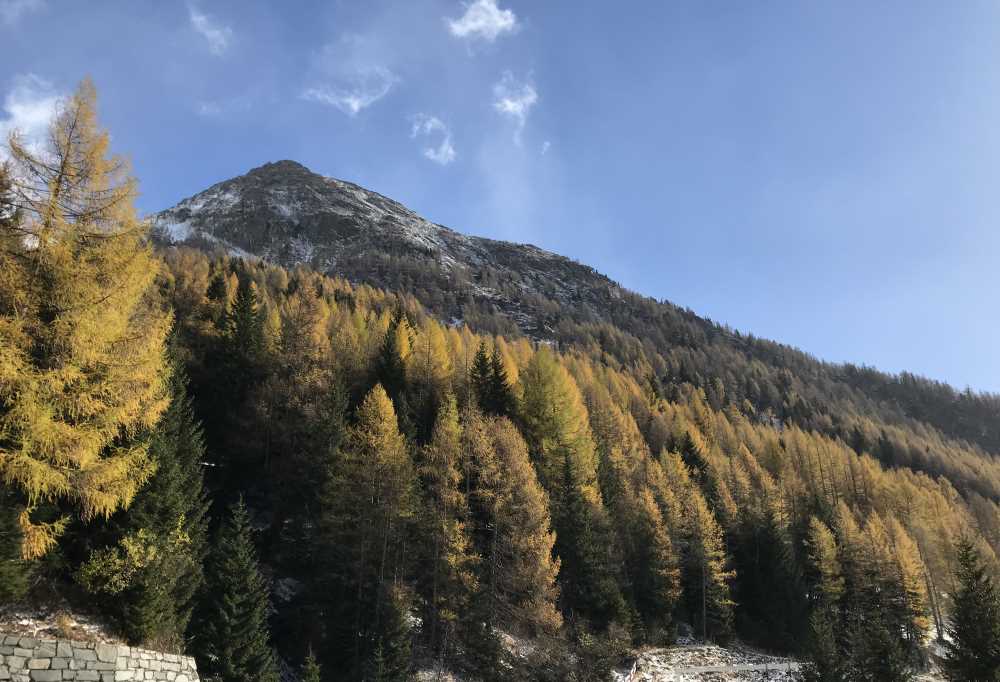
column 826, row 661
column 877, row 652
column 480, row 376
column 392, row 650
column 365, row 524
column 233, row 641
column 587, row 577
column 244, row 324
column 973, row 648
column 173, row 505
column 501, row 394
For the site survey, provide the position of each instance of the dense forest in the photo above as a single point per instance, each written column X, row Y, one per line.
column 271, row 468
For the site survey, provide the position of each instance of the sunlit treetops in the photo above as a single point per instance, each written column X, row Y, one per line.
column 82, row 331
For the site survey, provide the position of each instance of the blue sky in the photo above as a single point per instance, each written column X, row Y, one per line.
column 826, row 174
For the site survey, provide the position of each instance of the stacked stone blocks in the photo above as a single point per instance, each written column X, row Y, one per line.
column 25, row 659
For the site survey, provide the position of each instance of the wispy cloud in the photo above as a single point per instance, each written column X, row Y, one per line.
column 424, row 125
column 28, row 108
column 221, row 107
column 218, row 36
column 358, row 91
column 545, row 147
column 515, row 99
column 483, row 20
column 353, row 78
column 12, row 10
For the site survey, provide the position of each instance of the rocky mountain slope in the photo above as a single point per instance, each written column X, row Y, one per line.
column 286, row 214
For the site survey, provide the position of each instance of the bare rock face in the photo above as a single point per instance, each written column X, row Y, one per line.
column 285, row 214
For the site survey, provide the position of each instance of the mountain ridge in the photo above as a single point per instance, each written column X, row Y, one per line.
column 288, row 215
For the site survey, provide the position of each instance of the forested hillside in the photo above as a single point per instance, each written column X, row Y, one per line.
column 289, row 216
column 263, row 464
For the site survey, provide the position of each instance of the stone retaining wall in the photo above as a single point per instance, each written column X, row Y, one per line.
column 24, row 659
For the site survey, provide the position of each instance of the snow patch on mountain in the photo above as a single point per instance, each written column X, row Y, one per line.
column 286, row 214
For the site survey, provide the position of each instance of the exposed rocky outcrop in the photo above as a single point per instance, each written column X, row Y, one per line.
column 286, row 214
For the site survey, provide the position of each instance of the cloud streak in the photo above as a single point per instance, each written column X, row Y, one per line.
column 218, row 36
column 515, row 99
column 29, row 107
column 358, row 91
column 483, row 20
column 353, row 75
column 424, row 125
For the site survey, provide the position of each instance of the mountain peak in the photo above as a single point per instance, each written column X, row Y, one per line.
column 283, row 166
column 284, row 213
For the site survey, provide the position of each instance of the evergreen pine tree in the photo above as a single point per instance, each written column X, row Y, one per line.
column 501, row 394
column 171, row 507
column 365, row 523
column 244, row 324
column 480, row 376
column 826, row 661
column 154, row 569
column 391, row 657
column 825, row 584
column 877, row 651
column 973, row 648
column 228, row 411
column 233, row 641
column 488, row 376
column 587, row 578
column 81, row 330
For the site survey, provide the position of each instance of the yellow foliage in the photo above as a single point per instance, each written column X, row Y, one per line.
column 81, row 330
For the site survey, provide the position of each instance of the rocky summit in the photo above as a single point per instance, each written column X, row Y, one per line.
column 288, row 215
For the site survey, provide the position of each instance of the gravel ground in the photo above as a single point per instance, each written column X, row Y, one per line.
column 53, row 622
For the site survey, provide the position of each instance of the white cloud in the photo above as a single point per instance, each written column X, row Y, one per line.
column 545, row 147
column 353, row 75
column 444, row 153
column 218, row 36
column 357, row 92
column 12, row 10
column 515, row 99
column 484, row 20
column 29, row 107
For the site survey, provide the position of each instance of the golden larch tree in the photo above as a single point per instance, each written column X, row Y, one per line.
column 82, row 332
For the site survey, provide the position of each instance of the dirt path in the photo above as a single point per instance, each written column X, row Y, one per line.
column 758, row 667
